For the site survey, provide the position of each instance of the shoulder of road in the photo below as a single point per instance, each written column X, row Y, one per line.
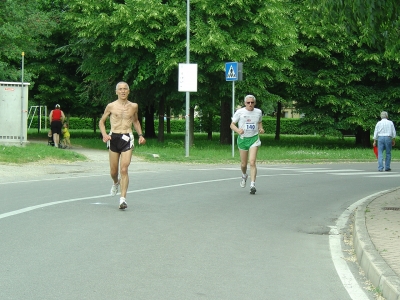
column 376, row 240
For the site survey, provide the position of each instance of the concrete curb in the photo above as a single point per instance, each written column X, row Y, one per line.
column 374, row 266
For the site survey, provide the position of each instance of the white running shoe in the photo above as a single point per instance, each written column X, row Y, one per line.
column 252, row 190
column 114, row 189
column 122, row 203
column 243, row 181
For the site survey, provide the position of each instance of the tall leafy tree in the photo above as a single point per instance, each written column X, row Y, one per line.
column 376, row 22
column 57, row 77
column 340, row 83
column 117, row 41
column 23, row 25
column 261, row 34
column 143, row 42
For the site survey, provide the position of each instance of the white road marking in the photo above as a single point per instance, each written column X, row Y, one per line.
column 30, row 208
column 337, row 253
column 53, row 179
column 359, row 173
column 385, row 175
column 332, row 171
column 342, row 172
column 344, row 273
column 76, row 177
column 293, row 169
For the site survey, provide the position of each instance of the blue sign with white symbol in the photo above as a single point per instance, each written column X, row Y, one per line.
column 231, row 71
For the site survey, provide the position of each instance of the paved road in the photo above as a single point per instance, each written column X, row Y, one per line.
column 190, row 232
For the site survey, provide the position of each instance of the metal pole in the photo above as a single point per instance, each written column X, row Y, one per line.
column 39, row 118
column 22, row 97
column 233, row 111
column 187, row 135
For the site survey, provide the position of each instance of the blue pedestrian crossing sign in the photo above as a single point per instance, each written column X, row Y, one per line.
column 233, row 71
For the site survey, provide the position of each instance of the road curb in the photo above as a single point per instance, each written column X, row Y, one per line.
column 374, row 266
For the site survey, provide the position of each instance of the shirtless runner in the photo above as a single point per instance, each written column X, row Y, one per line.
column 120, row 142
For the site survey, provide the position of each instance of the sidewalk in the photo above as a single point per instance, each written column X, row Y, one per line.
column 376, row 241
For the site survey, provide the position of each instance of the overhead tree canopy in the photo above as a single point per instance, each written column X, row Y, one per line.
column 377, row 22
column 341, row 62
column 143, row 42
column 341, row 83
column 22, row 28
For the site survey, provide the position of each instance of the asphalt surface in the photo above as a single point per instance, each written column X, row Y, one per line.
column 190, row 232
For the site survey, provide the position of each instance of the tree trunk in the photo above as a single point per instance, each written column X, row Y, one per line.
column 149, row 121
column 191, row 126
column 278, row 122
column 95, row 124
column 140, row 117
column 168, row 119
column 209, row 126
column 161, row 113
column 363, row 137
column 225, row 137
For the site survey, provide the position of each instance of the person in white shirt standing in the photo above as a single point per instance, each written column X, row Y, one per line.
column 385, row 135
column 249, row 120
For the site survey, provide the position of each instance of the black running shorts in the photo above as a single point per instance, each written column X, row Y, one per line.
column 120, row 142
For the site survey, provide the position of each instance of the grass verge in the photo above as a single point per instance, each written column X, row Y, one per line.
column 289, row 149
column 36, row 152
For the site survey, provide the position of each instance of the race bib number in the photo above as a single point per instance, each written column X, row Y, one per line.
column 250, row 126
column 126, row 138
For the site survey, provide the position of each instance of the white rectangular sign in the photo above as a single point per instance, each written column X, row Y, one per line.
column 187, row 81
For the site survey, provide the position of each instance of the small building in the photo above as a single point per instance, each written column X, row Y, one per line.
column 13, row 113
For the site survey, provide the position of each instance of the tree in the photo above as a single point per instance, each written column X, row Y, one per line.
column 339, row 84
column 261, row 34
column 144, row 41
column 117, row 42
column 57, row 77
column 376, row 22
column 23, row 27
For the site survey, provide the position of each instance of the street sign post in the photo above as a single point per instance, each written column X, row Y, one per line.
column 187, row 80
column 233, row 72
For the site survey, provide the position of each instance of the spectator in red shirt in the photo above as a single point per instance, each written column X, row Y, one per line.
column 56, row 119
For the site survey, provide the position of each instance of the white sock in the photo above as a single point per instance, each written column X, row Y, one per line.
column 244, row 175
column 253, row 183
column 122, row 199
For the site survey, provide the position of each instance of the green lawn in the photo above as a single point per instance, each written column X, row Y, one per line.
column 289, row 149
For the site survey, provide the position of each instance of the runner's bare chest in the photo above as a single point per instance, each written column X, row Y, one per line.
column 121, row 117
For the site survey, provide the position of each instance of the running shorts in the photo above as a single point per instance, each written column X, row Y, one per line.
column 245, row 143
column 120, row 142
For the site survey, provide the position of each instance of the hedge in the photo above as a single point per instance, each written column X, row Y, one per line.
column 288, row 126
column 74, row 123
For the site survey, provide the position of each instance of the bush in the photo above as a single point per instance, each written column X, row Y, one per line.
column 73, row 122
column 288, row 126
